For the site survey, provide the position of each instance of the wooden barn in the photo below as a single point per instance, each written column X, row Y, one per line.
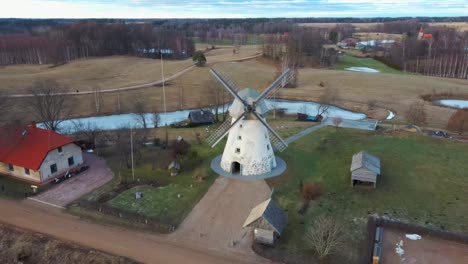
column 268, row 221
column 365, row 169
column 201, row 117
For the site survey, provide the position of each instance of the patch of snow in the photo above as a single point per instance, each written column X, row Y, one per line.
column 413, row 236
column 453, row 103
column 399, row 249
column 391, row 115
column 362, row 69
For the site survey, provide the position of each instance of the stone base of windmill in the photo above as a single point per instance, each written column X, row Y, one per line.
column 278, row 170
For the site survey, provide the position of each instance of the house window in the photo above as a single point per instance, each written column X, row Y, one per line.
column 60, row 150
column 71, row 161
column 26, row 171
column 237, row 150
column 10, row 167
column 53, row 168
column 239, row 137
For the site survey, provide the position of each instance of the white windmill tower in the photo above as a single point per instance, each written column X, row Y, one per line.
column 248, row 153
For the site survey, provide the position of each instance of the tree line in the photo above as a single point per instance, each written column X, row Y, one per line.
column 59, row 44
column 445, row 54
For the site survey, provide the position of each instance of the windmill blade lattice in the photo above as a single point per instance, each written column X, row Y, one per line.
column 280, row 144
column 222, row 131
column 285, row 77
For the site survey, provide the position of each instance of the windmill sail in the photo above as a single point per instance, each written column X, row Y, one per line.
column 222, row 131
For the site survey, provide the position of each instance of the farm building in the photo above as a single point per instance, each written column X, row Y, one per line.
column 268, row 221
column 37, row 155
column 201, row 117
column 365, row 168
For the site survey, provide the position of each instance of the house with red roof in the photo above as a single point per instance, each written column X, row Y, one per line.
column 422, row 36
column 37, row 155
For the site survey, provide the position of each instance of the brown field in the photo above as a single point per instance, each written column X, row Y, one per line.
column 107, row 72
column 462, row 26
column 332, row 25
column 21, row 246
column 196, row 89
column 363, row 36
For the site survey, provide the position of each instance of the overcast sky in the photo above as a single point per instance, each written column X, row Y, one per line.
column 229, row 8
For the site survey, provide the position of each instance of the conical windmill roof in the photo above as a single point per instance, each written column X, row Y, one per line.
column 248, row 95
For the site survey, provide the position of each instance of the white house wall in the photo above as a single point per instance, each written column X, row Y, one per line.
column 256, row 153
column 61, row 159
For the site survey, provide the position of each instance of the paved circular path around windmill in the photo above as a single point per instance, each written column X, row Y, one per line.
column 216, row 221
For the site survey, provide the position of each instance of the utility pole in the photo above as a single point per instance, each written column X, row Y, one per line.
column 131, row 153
column 164, row 95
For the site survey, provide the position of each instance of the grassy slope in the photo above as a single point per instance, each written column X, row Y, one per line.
column 346, row 61
column 423, row 181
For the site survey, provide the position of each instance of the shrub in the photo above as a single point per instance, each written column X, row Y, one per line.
column 311, row 191
column 416, row 114
column 458, row 122
column 199, row 58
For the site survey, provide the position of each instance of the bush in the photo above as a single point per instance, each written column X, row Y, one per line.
column 416, row 114
column 311, row 191
column 199, row 58
column 458, row 122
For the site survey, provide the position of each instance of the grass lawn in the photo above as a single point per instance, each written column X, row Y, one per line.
column 15, row 189
column 161, row 203
column 424, row 181
column 346, row 61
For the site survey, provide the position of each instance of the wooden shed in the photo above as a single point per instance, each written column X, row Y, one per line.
column 268, row 221
column 201, row 117
column 365, row 169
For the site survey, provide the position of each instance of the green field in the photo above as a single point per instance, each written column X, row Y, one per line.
column 424, row 181
column 14, row 189
column 347, row 60
column 162, row 204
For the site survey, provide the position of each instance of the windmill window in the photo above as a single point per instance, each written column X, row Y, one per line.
column 265, row 135
column 237, row 150
column 268, row 147
column 239, row 137
column 240, row 125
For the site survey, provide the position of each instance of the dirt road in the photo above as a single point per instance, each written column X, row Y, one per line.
column 216, row 221
column 147, row 248
column 138, row 86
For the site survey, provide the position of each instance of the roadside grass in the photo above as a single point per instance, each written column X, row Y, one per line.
column 15, row 189
column 424, row 181
column 346, row 61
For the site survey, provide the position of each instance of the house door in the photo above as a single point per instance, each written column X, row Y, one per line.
column 235, row 167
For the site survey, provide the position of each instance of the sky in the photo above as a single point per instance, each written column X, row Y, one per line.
column 229, row 8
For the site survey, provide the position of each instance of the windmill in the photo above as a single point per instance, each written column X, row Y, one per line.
column 248, row 153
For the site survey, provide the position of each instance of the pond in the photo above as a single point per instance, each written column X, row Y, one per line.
column 112, row 122
column 453, row 103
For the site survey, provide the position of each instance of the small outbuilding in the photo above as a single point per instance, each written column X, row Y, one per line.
column 201, row 117
column 365, row 168
column 268, row 221
column 174, row 168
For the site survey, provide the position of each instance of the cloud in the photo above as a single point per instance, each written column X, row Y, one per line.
column 230, row 8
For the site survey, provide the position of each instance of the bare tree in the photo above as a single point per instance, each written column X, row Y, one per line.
column 416, row 114
column 328, row 97
column 156, row 119
column 97, row 99
column 90, row 132
column 139, row 110
column 337, row 121
column 324, row 236
column 49, row 103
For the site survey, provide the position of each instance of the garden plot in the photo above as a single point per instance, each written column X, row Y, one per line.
column 399, row 247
